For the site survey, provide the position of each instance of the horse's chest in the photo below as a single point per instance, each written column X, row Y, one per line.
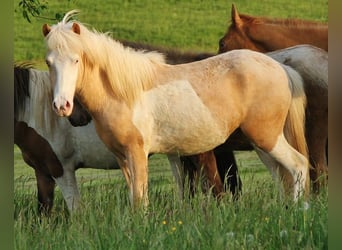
column 178, row 120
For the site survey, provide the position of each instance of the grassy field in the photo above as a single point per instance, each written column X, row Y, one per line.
column 259, row 220
column 188, row 25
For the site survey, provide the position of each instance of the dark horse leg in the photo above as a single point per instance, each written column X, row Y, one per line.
column 45, row 185
column 228, row 171
column 205, row 162
column 316, row 126
column 220, row 168
column 46, row 188
column 38, row 154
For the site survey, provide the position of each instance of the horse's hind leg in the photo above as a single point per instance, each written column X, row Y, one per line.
column 295, row 163
column 279, row 173
column 316, row 136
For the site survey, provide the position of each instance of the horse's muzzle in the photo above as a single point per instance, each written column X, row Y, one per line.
column 64, row 109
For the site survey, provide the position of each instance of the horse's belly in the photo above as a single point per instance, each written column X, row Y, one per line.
column 92, row 153
column 179, row 121
column 186, row 143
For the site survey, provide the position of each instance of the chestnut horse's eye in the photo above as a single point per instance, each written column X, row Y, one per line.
column 48, row 63
column 221, row 45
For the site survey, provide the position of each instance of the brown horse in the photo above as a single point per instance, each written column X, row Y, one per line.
column 36, row 151
column 264, row 35
column 141, row 105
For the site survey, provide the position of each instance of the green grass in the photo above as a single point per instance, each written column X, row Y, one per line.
column 189, row 25
column 259, row 220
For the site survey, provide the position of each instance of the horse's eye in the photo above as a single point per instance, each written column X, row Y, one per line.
column 221, row 43
column 76, row 61
column 47, row 63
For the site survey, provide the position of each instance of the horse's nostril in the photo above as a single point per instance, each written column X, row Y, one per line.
column 67, row 105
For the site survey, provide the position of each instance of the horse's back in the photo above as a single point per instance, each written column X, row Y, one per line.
column 309, row 60
column 214, row 97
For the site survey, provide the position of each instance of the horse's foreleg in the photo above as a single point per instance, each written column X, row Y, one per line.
column 227, row 167
column 68, row 185
column 138, row 176
column 178, row 172
column 190, row 174
column 207, row 160
column 46, row 187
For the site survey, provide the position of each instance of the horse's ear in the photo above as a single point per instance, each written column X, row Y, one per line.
column 236, row 20
column 76, row 28
column 46, row 29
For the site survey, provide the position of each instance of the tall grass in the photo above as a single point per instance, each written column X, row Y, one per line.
column 261, row 219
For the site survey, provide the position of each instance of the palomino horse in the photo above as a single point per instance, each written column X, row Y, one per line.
column 49, row 144
column 141, row 105
column 312, row 64
column 265, row 35
column 37, row 151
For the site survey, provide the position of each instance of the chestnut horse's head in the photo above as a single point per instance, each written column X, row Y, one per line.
column 236, row 36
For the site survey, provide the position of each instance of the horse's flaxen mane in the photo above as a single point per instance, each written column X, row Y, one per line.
column 128, row 71
column 291, row 22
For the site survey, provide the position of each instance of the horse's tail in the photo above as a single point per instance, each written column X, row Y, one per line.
column 294, row 129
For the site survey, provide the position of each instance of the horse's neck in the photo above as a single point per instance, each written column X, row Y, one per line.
column 94, row 92
column 122, row 80
column 276, row 36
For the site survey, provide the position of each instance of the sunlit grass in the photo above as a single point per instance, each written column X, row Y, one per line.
column 260, row 219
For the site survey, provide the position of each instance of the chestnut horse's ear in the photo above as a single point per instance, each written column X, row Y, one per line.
column 76, row 28
column 236, row 20
column 46, row 29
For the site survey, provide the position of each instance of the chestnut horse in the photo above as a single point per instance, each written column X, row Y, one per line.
column 141, row 105
column 265, row 35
